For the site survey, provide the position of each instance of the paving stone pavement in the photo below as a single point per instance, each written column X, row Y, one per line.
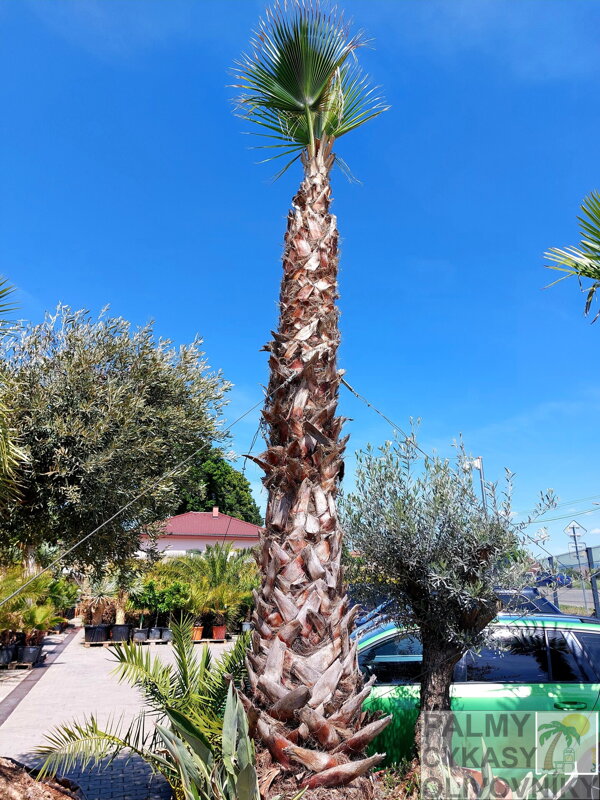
column 78, row 683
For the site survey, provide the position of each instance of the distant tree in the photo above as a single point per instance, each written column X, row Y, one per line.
column 212, row 481
column 103, row 412
column 582, row 262
column 425, row 541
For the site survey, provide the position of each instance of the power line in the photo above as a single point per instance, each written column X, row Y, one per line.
column 140, row 495
column 411, row 439
column 383, row 416
column 566, row 516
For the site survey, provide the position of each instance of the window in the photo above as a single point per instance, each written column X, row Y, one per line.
column 396, row 660
column 591, row 644
column 510, row 656
column 564, row 666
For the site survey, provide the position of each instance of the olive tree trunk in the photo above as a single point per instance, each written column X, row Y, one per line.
column 307, row 690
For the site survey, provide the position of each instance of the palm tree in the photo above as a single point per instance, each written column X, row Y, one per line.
column 558, row 730
column 582, row 261
column 302, row 86
column 11, row 455
column 221, row 578
column 198, row 741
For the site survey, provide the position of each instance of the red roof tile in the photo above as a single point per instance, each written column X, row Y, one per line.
column 203, row 523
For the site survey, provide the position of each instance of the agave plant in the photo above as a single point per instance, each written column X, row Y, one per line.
column 198, row 731
column 302, row 86
column 583, row 261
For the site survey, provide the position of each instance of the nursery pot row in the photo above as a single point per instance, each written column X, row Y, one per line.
column 124, row 633
column 218, row 632
column 22, row 654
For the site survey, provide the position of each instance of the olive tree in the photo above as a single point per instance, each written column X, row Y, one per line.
column 424, row 539
column 104, row 412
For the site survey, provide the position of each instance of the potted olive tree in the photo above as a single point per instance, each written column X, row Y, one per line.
column 173, row 600
column 161, row 603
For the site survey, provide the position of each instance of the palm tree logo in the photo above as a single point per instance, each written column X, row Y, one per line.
column 571, row 728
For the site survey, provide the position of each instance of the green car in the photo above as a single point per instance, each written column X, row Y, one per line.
column 534, row 663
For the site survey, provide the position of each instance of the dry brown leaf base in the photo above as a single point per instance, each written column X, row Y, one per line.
column 306, row 689
column 275, row 783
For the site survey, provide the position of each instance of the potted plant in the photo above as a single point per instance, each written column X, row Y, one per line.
column 198, row 608
column 36, row 620
column 140, row 634
column 148, row 599
column 224, row 606
column 172, row 598
column 8, row 647
column 219, row 628
column 99, row 607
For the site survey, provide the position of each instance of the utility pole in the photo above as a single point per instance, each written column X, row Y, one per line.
column 573, row 531
column 478, row 464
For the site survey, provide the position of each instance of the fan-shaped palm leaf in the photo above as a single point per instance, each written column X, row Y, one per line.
column 297, row 83
column 582, row 261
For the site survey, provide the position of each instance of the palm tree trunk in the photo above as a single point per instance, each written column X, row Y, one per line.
column 549, row 759
column 302, row 665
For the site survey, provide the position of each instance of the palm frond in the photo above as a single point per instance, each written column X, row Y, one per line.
column 189, row 669
column 147, row 672
column 296, row 84
column 6, row 290
column 11, row 455
column 582, row 261
column 217, row 681
column 86, row 743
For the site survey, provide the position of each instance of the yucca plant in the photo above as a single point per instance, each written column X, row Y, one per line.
column 582, row 262
column 302, row 86
column 188, row 702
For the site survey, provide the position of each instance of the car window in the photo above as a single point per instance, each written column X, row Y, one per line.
column 564, row 666
column 510, row 656
column 591, row 644
column 396, row 660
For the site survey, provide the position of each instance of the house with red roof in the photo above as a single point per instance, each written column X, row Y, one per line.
column 194, row 530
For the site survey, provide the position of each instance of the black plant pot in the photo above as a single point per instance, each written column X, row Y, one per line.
column 7, row 653
column 29, row 655
column 167, row 635
column 96, row 633
column 155, row 633
column 120, row 633
column 140, row 634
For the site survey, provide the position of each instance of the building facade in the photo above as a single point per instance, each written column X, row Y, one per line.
column 194, row 530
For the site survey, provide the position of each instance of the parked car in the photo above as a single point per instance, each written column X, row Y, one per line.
column 526, row 599
column 563, row 580
column 530, row 663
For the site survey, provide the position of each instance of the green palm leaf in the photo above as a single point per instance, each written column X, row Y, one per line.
column 297, row 84
column 85, row 743
column 12, row 456
column 191, row 695
column 153, row 678
column 582, row 261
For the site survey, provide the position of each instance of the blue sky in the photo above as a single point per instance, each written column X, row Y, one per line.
column 126, row 180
